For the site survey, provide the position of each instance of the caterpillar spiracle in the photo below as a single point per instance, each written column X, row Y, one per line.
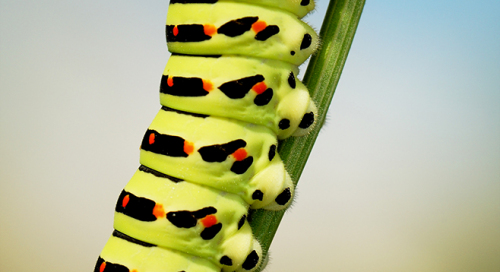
column 228, row 93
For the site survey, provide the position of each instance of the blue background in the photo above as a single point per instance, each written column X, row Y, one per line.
column 405, row 175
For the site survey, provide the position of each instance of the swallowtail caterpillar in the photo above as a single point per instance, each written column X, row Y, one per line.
column 228, row 93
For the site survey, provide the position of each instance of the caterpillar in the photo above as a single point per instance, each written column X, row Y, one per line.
column 228, row 93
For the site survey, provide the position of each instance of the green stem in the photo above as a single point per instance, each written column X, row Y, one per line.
column 321, row 78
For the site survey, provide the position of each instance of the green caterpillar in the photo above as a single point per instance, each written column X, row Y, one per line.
column 228, row 93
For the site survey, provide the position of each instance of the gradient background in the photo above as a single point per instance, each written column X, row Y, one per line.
column 405, row 175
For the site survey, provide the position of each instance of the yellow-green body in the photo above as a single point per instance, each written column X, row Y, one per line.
column 216, row 130
column 293, row 6
column 179, row 194
column 278, row 48
column 154, row 259
column 174, row 196
column 227, row 68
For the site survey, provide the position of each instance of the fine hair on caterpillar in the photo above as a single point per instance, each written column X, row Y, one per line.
column 228, row 93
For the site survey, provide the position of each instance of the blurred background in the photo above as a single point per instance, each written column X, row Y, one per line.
column 405, row 175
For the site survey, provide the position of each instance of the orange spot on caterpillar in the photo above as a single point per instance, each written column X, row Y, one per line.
column 176, row 31
column 207, row 85
column 152, row 138
column 259, row 26
column 259, row 87
column 209, row 220
column 188, row 147
column 158, row 211
column 170, row 81
column 125, row 201
column 209, row 29
column 101, row 268
column 240, row 154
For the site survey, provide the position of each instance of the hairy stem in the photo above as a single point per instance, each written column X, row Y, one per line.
column 321, row 78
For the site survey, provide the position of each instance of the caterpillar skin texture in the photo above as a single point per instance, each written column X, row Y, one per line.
column 228, row 93
column 257, row 91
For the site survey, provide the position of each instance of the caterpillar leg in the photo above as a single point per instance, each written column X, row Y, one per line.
column 307, row 121
column 276, row 195
column 233, row 260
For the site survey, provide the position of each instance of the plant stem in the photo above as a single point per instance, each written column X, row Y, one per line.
column 321, row 78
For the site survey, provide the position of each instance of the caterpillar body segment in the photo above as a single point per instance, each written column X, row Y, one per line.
column 223, row 153
column 298, row 7
column 228, row 28
column 186, row 217
column 122, row 255
column 228, row 93
column 258, row 91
